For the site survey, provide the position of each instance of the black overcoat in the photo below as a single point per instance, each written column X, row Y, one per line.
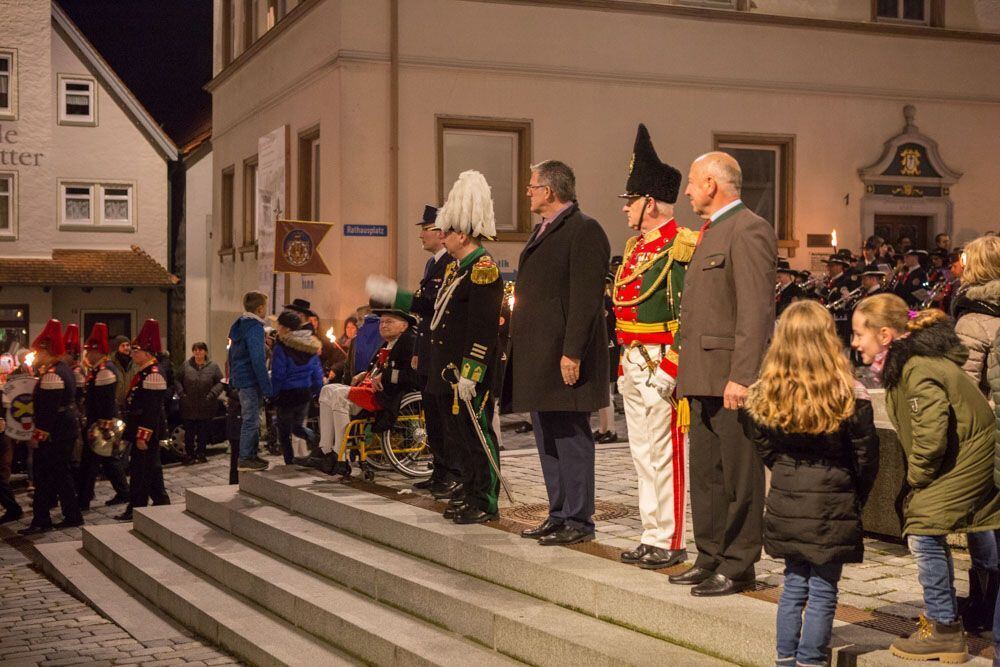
column 559, row 310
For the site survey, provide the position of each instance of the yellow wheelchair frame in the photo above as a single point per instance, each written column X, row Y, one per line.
column 403, row 447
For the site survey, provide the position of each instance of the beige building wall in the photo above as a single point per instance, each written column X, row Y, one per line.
column 198, row 252
column 584, row 79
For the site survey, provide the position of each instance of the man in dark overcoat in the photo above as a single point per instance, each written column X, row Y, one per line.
column 727, row 315
column 557, row 366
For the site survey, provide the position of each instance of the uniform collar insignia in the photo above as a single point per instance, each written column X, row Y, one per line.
column 667, row 230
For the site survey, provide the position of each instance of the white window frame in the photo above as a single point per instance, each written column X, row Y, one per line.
column 10, row 234
column 98, row 197
column 9, row 112
column 89, row 120
column 899, row 15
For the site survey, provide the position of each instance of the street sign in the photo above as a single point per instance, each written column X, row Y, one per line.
column 366, row 230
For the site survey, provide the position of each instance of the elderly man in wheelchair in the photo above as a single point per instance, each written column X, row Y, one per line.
column 376, row 392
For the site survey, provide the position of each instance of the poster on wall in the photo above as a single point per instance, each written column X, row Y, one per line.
column 272, row 162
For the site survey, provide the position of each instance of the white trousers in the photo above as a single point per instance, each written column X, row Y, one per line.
column 335, row 412
column 659, row 452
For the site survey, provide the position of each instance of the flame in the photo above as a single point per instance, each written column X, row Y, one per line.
column 510, row 302
column 330, row 335
column 29, row 359
column 833, row 238
column 229, row 343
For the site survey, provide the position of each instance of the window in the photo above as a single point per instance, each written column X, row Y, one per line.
column 903, row 11
column 249, row 22
column 501, row 151
column 228, row 35
column 8, row 206
column 8, row 84
column 13, row 326
column 250, row 204
column 107, row 206
column 226, row 209
column 767, row 162
column 77, row 101
column 309, row 183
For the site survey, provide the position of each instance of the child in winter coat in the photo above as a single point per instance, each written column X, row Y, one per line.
column 812, row 425
column 296, row 377
column 946, row 429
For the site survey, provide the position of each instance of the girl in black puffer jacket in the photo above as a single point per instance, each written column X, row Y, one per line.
column 812, row 425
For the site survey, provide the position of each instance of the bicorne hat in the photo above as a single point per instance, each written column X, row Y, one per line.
column 647, row 175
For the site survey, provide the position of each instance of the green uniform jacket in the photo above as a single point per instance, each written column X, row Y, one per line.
column 946, row 428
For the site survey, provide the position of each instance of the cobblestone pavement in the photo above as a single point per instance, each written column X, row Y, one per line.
column 44, row 625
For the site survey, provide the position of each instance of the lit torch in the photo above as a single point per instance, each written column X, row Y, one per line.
column 833, row 240
column 29, row 359
column 330, row 336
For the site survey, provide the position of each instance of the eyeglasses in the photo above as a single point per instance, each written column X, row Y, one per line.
column 534, row 187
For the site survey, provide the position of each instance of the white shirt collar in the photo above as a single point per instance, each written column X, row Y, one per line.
column 440, row 253
column 731, row 205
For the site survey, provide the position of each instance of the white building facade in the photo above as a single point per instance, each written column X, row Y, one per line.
column 380, row 103
column 84, row 194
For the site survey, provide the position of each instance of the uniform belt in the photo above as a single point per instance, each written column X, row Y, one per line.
column 648, row 327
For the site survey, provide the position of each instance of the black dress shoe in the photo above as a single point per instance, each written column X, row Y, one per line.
column 455, row 510
column 720, row 584
column 449, row 490
column 35, row 529
column 424, row 485
column 546, row 527
column 523, row 427
column 66, row 523
column 633, row 557
column 124, row 516
column 11, row 515
column 607, row 437
column 117, row 500
column 657, row 558
column 566, row 535
column 691, row 577
column 474, row 515
column 457, row 501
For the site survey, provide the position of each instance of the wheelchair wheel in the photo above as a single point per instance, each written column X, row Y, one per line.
column 405, row 444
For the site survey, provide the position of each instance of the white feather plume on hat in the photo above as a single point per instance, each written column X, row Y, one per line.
column 469, row 208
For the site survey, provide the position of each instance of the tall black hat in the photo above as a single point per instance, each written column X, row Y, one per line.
column 784, row 267
column 301, row 306
column 430, row 215
column 648, row 176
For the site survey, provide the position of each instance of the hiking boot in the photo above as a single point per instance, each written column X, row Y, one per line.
column 251, row 464
column 933, row 641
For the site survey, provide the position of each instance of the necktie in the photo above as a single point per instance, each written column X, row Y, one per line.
column 701, row 232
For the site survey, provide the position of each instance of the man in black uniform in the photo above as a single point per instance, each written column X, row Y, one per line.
column 145, row 421
column 788, row 291
column 57, row 427
column 914, row 279
column 464, row 330
column 873, row 280
column 446, row 475
column 840, row 279
column 100, row 408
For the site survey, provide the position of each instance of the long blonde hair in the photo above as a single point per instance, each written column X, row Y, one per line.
column 982, row 261
column 805, row 383
column 884, row 310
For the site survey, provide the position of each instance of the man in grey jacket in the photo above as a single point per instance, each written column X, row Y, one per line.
column 727, row 314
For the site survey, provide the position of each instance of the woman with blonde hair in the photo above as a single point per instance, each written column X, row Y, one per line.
column 946, row 429
column 812, row 425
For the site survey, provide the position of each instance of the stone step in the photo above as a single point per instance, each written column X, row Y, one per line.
column 258, row 637
column 512, row 623
column 377, row 633
column 737, row 628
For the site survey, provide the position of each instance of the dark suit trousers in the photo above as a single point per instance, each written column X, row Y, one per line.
column 727, row 490
column 146, row 474
column 54, row 481
column 445, row 460
column 566, row 449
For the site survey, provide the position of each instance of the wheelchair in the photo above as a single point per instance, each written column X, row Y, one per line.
column 403, row 447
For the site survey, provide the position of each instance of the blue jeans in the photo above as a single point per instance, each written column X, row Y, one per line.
column 936, row 573
column 804, row 638
column 290, row 421
column 250, row 400
column 983, row 549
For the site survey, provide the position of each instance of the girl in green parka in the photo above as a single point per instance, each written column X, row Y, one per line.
column 946, row 428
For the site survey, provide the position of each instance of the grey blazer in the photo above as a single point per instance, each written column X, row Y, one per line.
column 727, row 309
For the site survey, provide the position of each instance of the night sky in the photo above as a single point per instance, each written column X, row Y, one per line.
column 161, row 49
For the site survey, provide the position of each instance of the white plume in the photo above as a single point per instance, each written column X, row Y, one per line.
column 469, row 208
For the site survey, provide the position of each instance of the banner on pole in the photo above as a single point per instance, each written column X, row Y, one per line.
column 296, row 246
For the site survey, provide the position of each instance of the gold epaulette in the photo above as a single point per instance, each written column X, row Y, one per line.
column 684, row 244
column 629, row 244
column 485, row 271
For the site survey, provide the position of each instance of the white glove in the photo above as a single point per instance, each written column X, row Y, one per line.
column 466, row 389
column 381, row 289
column 661, row 381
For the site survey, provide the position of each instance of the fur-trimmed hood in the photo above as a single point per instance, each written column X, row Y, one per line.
column 984, row 299
column 302, row 344
column 937, row 340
